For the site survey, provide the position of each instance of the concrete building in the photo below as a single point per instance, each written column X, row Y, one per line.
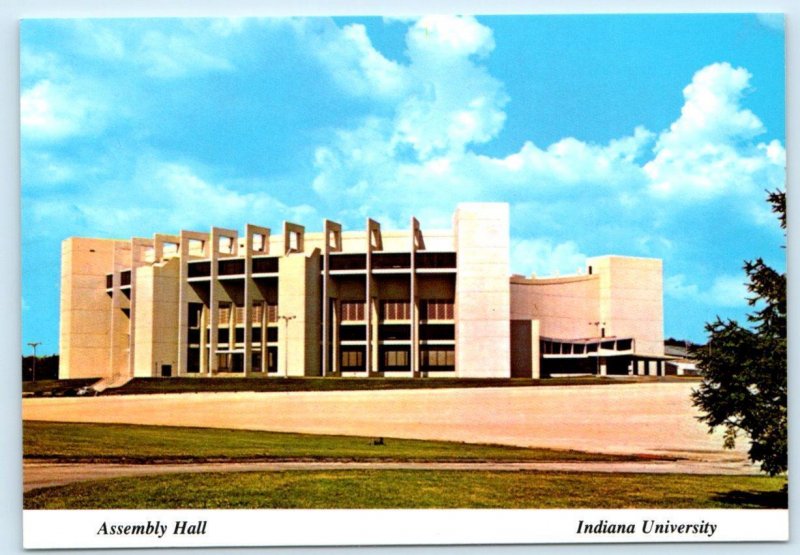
column 410, row 303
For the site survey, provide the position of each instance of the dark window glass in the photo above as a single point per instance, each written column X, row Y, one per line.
column 265, row 265
column 352, row 333
column 272, row 334
column 435, row 259
column 348, row 261
column 125, row 278
column 231, row 267
column 440, row 331
column 199, row 269
column 394, row 332
column 109, row 281
column 390, row 260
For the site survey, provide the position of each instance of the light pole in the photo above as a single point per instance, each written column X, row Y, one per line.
column 34, row 344
column 286, row 318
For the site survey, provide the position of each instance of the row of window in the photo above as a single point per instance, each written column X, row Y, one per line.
column 356, row 261
column 436, row 309
column 234, row 362
column 396, row 359
column 350, row 311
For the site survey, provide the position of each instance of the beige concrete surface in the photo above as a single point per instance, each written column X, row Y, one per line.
column 655, row 418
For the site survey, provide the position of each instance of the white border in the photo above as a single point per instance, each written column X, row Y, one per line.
column 89, row 529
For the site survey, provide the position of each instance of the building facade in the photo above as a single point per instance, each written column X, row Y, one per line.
column 412, row 303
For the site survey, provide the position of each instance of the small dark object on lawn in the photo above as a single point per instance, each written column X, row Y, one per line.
column 378, row 441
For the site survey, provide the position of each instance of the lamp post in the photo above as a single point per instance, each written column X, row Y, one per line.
column 286, row 318
column 34, row 344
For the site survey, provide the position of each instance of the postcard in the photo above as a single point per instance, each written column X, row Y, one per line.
column 441, row 279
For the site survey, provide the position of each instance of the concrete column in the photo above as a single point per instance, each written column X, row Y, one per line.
column 536, row 358
column 483, row 333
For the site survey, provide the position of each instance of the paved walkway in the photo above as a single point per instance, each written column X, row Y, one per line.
column 45, row 474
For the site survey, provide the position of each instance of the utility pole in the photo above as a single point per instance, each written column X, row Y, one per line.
column 34, row 344
column 286, row 318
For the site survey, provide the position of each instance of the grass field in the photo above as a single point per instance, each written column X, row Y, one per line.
column 195, row 385
column 383, row 489
column 127, row 443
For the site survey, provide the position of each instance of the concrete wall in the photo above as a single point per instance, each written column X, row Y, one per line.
column 298, row 297
column 566, row 307
column 85, row 325
column 482, row 290
column 631, row 300
column 156, row 319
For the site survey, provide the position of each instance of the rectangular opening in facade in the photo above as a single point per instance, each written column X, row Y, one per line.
column 125, row 278
column 348, row 262
column 394, row 332
column 438, row 309
column 391, row 260
column 225, row 245
column 435, row 260
column 265, row 265
column 196, row 247
column 233, row 267
column 437, row 358
column 395, row 358
column 199, row 269
column 352, row 359
column 109, row 281
column 437, row 332
column 395, row 310
column 352, row 311
column 353, row 333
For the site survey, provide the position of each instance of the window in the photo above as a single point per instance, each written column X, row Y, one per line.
column 396, row 359
column 396, row 310
column 352, row 359
column 438, row 359
column 257, row 313
column 195, row 311
column 436, row 309
column 224, row 314
column 352, row 311
column 239, row 315
column 272, row 313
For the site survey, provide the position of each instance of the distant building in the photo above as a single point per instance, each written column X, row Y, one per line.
column 407, row 303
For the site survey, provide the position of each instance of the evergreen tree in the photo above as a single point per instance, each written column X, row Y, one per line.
column 744, row 368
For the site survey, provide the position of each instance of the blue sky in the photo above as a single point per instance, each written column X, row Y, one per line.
column 648, row 135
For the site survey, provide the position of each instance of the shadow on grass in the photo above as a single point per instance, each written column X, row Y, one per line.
column 754, row 499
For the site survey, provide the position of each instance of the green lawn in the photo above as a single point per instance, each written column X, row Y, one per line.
column 373, row 489
column 194, row 385
column 120, row 442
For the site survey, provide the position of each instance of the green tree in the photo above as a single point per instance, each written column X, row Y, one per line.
column 744, row 368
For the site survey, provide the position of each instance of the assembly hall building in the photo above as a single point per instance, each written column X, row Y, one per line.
column 412, row 303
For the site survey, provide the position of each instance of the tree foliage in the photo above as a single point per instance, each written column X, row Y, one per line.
column 744, row 368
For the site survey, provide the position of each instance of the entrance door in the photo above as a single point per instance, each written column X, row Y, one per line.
column 166, row 370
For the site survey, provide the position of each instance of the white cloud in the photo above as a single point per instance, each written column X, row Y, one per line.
column 51, row 110
column 158, row 196
column 729, row 291
column 544, row 258
column 709, row 149
column 174, row 56
column 355, row 64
